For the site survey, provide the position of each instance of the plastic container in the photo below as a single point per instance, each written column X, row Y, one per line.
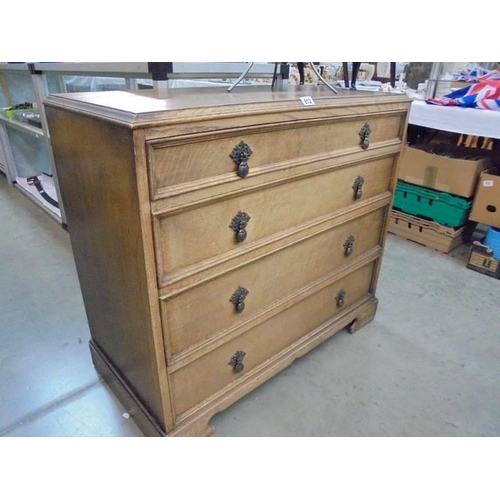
column 492, row 240
column 444, row 208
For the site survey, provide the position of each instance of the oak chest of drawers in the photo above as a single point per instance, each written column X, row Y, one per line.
column 218, row 237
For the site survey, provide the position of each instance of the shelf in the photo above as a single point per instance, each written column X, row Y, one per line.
column 132, row 70
column 24, row 127
column 14, row 67
column 175, row 70
column 220, row 70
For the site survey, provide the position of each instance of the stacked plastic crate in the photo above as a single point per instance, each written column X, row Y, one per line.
column 435, row 193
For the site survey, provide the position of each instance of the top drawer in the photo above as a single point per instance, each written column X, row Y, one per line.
column 197, row 160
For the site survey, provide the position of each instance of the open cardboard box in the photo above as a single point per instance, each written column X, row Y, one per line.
column 486, row 206
column 458, row 175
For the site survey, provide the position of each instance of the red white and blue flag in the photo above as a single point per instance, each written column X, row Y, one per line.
column 484, row 95
column 476, row 74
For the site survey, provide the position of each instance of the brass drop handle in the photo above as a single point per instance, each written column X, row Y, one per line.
column 364, row 135
column 240, row 155
column 238, row 299
column 239, row 224
column 358, row 187
column 237, row 361
column 340, row 298
column 348, row 245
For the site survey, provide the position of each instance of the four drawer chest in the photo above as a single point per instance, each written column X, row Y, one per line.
column 220, row 236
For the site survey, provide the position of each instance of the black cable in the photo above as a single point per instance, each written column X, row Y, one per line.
column 35, row 181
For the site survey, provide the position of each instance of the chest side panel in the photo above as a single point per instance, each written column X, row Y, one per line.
column 96, row 169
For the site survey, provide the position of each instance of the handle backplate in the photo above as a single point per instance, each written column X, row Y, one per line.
column 240, row 155
column 237, row 361
column 364, row 135
column 340, row 298
column 358, row 187
column 238, row 299
column 348, row 245
column 239, row 224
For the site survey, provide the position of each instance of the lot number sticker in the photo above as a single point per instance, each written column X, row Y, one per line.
column 307, row 101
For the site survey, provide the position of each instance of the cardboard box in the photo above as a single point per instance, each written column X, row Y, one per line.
column 486, row 206
column 458, row 175
column 429, row 233
column 481, row 259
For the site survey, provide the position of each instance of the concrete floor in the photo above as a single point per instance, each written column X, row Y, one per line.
column 426, row 366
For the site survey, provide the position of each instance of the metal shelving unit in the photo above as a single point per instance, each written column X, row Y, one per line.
column 25, row 149
column 163, row 71
column 23, row 127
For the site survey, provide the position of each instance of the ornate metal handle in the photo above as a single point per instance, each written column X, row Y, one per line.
column 238, row 225
column 340, row 298
column 364, row 135
column 240, row 155
column 238, row 298
column 348, row 245
column 358, row 187
column 236, row 361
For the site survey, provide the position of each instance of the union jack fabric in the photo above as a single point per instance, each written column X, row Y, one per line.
column 476, row 74
column 484, row 95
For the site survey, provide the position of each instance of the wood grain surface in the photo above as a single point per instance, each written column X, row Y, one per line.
column 211, row 373
column 97, row 174
column 194, row 157
column 205, row 311
column 204, row 233
column 150, row 193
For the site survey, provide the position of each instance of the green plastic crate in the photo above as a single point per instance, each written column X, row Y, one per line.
column 444, row 208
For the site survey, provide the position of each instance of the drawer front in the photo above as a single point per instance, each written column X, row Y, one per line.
column 198, row 380
column 193, row 159
column 193, row 236
column 202, row 312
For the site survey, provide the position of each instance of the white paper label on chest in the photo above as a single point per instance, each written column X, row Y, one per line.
column 307, row 101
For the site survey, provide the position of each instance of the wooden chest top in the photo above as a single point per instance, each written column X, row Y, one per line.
column 155, row 107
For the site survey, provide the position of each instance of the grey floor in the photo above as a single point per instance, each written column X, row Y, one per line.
column 428, row 365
